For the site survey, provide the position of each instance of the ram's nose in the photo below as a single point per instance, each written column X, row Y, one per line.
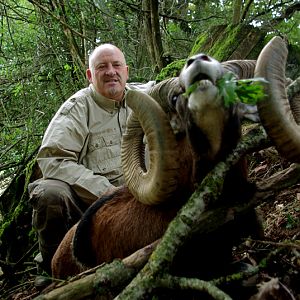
column 199, row 57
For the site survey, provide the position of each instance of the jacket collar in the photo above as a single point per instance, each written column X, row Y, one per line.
column 106, row 103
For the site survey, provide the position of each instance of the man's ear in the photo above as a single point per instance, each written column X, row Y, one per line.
column 127, row 72
column 89, row 75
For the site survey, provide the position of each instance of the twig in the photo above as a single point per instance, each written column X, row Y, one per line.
column 278, row 244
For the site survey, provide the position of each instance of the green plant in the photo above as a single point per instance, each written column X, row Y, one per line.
column 232, row 90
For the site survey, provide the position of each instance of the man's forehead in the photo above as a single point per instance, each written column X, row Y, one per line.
column 108, row 54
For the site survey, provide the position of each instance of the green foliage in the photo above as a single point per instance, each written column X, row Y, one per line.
column 291, row 29
column 33, row 80
column 243, row 90
column 292, row 222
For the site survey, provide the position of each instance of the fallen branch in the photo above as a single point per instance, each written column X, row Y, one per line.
column 281, row 180
column 107, row 277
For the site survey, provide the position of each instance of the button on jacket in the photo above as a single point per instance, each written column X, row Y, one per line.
column 82, row 144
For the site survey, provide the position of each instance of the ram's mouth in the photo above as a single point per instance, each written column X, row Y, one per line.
column 199, row 82
column 199, row 78
column 202, row 77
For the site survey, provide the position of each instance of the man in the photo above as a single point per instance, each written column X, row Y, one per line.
column 80, row 152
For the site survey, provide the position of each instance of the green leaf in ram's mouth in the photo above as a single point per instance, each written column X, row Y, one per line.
column 232, row 90
column 248, row 91
column 191, row 88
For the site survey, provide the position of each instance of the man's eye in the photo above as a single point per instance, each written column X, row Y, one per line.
column 101, row 67
column 117, row 65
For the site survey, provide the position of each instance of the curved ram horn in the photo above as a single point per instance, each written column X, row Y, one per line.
column 274, row 110
column 157, row 183
column 243, row 69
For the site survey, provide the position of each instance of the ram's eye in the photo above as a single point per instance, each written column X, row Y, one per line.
column 174, row 100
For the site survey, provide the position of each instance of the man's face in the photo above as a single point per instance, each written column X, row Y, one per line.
column 108, row 72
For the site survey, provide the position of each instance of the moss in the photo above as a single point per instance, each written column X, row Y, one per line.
column 171, row 70
column 206, row 40
column 4, row 225
column 230, row 41
column 223, row 42
column 226, row 42
column 199, row 43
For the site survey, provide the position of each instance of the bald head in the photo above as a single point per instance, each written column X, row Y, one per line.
column 105, row 48
column 108, row 71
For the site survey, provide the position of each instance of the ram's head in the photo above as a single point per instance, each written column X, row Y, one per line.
column 188, row 129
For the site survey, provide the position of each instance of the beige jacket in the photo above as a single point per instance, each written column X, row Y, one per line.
column 87, row 158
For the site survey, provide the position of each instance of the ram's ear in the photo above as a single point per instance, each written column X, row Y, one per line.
column 275, row 111
column 159, row 181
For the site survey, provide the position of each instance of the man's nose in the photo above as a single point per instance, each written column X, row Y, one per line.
column 110, row 70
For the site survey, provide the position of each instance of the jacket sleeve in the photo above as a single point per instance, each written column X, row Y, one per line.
column 63, row 142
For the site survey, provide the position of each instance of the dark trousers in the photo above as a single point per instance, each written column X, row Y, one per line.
column 56, row 208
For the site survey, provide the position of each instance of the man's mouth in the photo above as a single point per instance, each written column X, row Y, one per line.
column 112, row 80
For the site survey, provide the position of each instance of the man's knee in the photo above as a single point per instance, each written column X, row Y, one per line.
column 48, row 192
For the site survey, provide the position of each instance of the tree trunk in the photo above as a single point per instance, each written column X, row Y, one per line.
column 77, row 57
column 152, row 33
column 237, row 9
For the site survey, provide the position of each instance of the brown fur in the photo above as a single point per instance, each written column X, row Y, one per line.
column 63, row 263
column 118, row 229
column 122, row 226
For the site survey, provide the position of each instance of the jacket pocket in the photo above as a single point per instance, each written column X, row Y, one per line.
column 104, row 153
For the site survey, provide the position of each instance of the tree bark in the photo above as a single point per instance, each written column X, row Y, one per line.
column 109, row 278
column 237, row 10
column 152, row 33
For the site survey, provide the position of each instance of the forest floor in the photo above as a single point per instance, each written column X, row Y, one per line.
column 280, row 250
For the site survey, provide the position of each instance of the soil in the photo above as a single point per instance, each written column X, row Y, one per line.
column 277, row 255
